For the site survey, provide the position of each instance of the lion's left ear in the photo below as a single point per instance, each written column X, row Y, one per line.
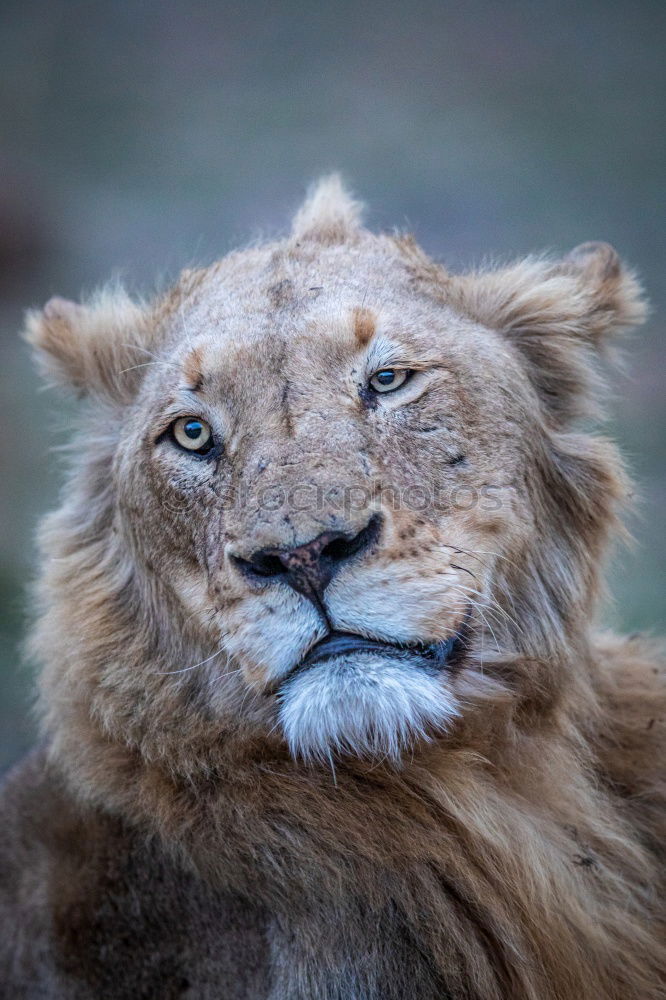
column 556, row 313
column 95, row 348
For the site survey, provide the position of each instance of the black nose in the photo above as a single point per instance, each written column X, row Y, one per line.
column 309, row 568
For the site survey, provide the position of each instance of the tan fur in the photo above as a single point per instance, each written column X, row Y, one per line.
column 364, row 325
column 328, row 215
column 70, row 339
column 514, row 852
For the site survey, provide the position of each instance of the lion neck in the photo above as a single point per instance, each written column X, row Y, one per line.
column 460, row 861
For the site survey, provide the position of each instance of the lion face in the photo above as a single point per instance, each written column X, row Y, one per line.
column 337, row 478
column 334, row 535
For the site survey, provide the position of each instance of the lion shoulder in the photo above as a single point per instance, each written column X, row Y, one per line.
column 87, row 904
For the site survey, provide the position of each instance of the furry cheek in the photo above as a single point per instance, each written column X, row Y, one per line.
column 191, row 589
column 268, row 636
column 398, row 603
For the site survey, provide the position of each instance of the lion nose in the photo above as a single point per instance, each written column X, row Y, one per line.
column 309, row 568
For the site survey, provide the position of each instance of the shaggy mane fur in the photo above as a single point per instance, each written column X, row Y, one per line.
column 516, row 852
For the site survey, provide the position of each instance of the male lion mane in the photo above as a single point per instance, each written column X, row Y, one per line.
column 146, row 853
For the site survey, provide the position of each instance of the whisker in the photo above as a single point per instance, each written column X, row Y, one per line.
column 332, row 766
column 144, row 364
column 489, row 599
column 184, row 670
column 463, row 569
column 484, row 552
column 273, row 728
column 250, row 691
column 231, row 673
column 476, row 606
column 490, row 603
column 489, row 626
column 151, row 354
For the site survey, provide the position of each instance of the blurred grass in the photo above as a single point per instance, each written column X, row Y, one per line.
column 142, row 137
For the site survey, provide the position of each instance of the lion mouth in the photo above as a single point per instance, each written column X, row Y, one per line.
column 432, row 656
column 364, row 697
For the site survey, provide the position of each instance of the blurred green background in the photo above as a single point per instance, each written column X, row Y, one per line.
column 141, row 137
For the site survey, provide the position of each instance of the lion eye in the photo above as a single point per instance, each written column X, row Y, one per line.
column 193, row 434
column 389, row 379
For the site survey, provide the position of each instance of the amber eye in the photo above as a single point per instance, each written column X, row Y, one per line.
column 193, row 434
column 389, row 379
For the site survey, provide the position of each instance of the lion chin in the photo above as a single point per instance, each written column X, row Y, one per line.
column 358, row 697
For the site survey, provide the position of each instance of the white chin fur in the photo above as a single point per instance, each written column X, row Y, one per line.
column 365, row 706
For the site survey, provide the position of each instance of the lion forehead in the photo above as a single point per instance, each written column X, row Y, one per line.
column 280, row 281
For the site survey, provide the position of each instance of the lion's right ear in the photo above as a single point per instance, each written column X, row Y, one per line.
column 93, row 348
column 558, row 314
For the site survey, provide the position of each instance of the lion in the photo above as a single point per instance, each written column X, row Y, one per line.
column 325, row 713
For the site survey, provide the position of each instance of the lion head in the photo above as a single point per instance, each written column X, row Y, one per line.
column 325, row 492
